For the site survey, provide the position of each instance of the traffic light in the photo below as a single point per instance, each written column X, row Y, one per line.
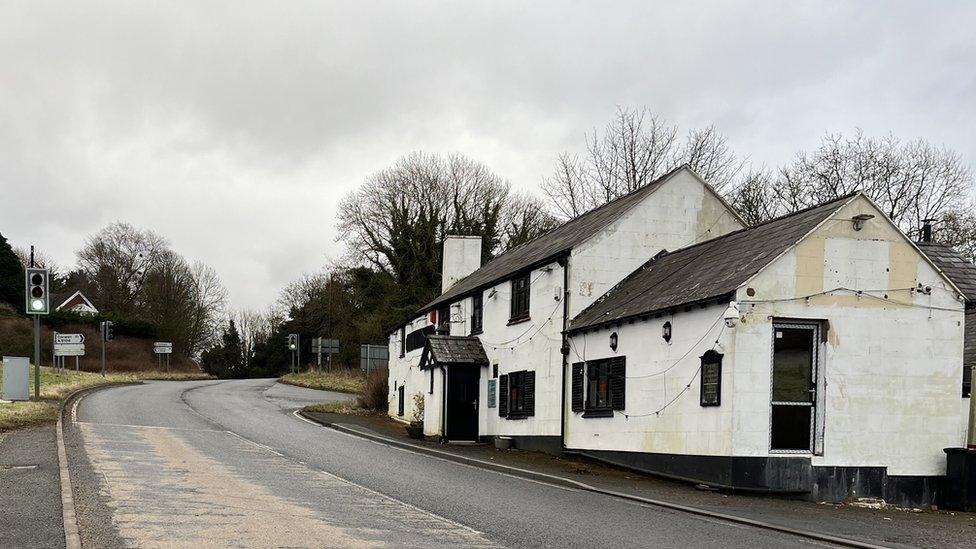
column 108, row 331
column 292, row 342
column 38, row 291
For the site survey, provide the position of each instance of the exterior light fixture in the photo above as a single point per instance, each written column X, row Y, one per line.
column 731, row 315
column 492, row 293
column 666, row 332
column 859, row 220
column 613, row 341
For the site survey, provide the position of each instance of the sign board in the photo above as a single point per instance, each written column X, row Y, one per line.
column 68, row 339
column 69, row 349
column 163, row 348
column 325, row 346
column 16, row 373
column 491, row 392
column 374, row 357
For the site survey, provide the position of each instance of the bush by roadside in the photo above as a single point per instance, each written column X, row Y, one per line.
column 375, row 395
column 340, row 381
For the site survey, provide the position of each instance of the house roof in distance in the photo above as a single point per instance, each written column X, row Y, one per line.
column 962, row 273
column 703, row 271
column 444, row 349
column 960, row 270
column 550, row 244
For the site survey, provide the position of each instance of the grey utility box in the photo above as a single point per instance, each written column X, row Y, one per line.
column 16, row 378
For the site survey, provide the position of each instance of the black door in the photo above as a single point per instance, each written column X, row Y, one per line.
column 462, row 403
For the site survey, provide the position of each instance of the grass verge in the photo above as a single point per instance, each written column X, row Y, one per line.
column 55, row 387
column 341, row 381
column 345, row 407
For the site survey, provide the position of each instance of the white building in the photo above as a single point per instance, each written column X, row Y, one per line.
column 518, row 306
column 839, row 374
column 839, row 377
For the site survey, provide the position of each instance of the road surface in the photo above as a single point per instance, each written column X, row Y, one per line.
column 226, row 463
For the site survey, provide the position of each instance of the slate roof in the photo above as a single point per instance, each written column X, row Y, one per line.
column 960, row 270
column 444, row 349
column 549, row 245
column 711, row 269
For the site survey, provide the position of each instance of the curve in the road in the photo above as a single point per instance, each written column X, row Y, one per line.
column 171, row 450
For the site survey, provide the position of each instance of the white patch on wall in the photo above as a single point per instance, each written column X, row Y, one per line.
column 855, row 264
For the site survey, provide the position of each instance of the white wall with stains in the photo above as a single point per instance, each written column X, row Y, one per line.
column 891, row 372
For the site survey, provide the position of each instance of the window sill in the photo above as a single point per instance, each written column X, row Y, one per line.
column 518, row 320
column 476, row 332
column 598, row 413
column 517, row 416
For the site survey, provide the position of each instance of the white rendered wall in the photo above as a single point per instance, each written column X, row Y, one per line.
column 678, row 214
column 656, row 374
column 893, row 372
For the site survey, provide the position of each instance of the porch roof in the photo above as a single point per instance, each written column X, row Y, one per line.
column 444, row 349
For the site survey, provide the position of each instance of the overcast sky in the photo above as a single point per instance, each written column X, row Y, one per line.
column 233, row 131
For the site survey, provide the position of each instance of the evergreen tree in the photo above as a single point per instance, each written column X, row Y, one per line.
column 11, row 277
column 233, row 354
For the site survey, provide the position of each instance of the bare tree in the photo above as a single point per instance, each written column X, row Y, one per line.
column 255, row 329
column 911, row 181
column 634, row 149
column 209, row 308
column 116, row 260
column 524, row 218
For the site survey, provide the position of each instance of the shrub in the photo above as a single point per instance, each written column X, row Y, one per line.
column 376, row 394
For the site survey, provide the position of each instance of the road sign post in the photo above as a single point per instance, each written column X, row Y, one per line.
column 163, row 348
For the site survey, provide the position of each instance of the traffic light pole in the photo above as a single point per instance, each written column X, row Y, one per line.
column 103, row 350
column 37, row 357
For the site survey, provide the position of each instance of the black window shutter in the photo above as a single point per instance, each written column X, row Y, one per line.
column 529, row 388
column 503, row 396
column 618, row 383
column 578, row 387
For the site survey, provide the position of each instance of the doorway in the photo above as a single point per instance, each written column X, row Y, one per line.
column 462, row 403
column 793, row 416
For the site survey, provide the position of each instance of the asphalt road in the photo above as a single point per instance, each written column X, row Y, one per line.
column 227, row 463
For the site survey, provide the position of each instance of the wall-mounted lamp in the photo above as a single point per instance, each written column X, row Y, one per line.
column 859, row 220
column 613, row 341
column 731, row 315
column 492, row 293
column 666, row 332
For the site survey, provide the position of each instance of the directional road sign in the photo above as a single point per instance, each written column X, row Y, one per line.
column 163, row 348
column 69, row 349
column 65, row 339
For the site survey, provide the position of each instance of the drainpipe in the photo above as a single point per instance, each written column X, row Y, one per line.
column 971, row 434
column 564, row 350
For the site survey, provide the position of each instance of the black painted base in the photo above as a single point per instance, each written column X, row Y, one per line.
column 546, row 444
column 781, row 475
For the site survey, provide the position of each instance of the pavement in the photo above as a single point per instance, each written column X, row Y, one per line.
column 30, row 489
column 227, row 463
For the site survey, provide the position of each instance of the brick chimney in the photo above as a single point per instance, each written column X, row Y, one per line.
column 462, row 256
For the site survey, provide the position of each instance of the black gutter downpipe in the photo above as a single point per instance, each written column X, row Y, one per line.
column 564, row 349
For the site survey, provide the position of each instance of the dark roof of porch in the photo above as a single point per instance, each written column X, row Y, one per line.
column 444, row 349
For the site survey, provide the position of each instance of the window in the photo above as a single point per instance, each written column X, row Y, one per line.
column 711, row 379
column 444, row 320
column 967, row 377
column 477, row 309
column 403, row 341
column 516, row 399
column 599, row 386
column 520, row 299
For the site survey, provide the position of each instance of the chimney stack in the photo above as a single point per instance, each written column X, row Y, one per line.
column 462, row 256
column 927, row 230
